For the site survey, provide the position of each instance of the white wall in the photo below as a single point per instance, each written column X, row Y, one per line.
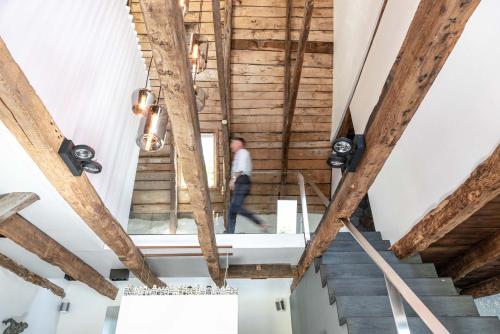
column 455, row 128
column 257, row 313
column 354, row 23
column 29, row 303
column 82, row 58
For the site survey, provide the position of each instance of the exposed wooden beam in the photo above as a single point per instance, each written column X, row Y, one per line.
column 226, row 114
column 479, row 255
column 486, row 288
column 260, row 271
column 275, row 45
column 165, row 27
column 30, row 276
column 24, row 114
column 34, row 240
column 12, row 203
column 292, row 89
column 482, row 186
column 433, row 32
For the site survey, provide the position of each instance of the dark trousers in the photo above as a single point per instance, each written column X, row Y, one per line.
column 241, row 191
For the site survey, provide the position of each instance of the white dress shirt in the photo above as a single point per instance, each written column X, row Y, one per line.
column 242, row 163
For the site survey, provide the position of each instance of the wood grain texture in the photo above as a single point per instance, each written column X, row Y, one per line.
column 293, row 87
column 482, row 186
column 479, row 255
column 26, row 117
column 165, row 29
column 12, row 203
column 431, row 37
column 486, row 288
column 260, row 271
column 30, row 276
column 34, row 240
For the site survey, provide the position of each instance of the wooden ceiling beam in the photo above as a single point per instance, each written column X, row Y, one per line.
column 482, row 186
column 12, row 203
column 30, row 276
column 223, row 58
column 480, row 254
column 166, row 32
column 34, row 240
column 486, row 288
column 292, row 80
column 276, row 45
column 27, row 118
column 260, row 271
column 432, row 34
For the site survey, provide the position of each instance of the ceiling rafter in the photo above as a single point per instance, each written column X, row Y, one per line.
column 165, row 27
column 27, row 118
column 482, row 186
column 34, row 240
column 431, row 37
column 30, row 276
column 292, row 80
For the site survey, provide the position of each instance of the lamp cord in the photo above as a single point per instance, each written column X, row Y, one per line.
column 149, row 69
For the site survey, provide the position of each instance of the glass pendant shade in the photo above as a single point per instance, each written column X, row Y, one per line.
column 142, row 100
column 200, row 98
column 153, row 129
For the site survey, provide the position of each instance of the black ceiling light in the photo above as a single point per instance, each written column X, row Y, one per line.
column 347, row 152
column 78, row 158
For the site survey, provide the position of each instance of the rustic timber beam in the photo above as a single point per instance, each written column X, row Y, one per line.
column 480, row 254
column 482, row 186
column 12, row 203
column 486, row 288
column 274, row 45
column 27, row 118
column 30, row 276
column 292, row 89
column 260, row 271
column 34, row 240
column 164, row 23
column 226, row 76
column 432, row 34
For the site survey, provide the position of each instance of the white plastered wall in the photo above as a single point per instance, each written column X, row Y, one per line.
column 83, row 60
column 455, row 128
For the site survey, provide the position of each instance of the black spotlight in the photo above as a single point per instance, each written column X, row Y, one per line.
column 347, row 152
column 78, row 158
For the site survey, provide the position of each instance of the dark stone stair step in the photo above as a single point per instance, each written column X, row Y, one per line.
column 355, row 271
column 377, row 287
column 379, row 306
column 353, row 246
column 456, row 325
column 370, row 236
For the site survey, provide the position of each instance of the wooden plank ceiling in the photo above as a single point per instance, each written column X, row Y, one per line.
column 465, row 238
column 256, row 110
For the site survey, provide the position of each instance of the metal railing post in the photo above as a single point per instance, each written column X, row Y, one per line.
column 303, row 203
column 397, row 307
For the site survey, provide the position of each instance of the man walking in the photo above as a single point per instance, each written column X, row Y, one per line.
column 240, row 185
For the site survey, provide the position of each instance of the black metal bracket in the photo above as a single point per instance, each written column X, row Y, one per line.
column 359, row 150
column 66, row 153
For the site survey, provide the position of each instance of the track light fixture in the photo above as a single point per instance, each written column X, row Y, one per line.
column 347, row 152
column 78, row 158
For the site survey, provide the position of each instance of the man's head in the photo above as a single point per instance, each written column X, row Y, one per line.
column 237, row 143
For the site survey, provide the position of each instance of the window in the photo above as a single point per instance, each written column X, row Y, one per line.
column 208, row 145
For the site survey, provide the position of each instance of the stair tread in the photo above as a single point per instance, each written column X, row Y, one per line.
column 355, row 271
column 377, row 287
column 363, row 257
column 368, row 236
column 379, row 306
column 353, row 246
column 456, row 325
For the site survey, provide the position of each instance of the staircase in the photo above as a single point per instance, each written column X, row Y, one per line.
column 358, row 288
